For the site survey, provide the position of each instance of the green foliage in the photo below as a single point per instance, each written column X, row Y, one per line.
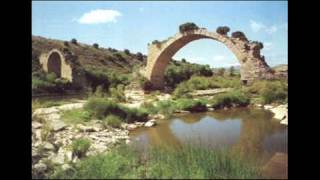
column 189, row 26
column 191, row 105
column 223, row 30
column 144, row 83
column 235, row 98
column 80, row 147
column 102, row 107
column 231, row 71
column 113, row 121
column 47, row 83
column 75, row 116
column 118, row 93
column 96, row 45
column 127, row 52
column 270, row 91
column 221, row 71
column 240, row 35
column 74, row 41
column 139, row 56
column 177, row 72
column 186, row 162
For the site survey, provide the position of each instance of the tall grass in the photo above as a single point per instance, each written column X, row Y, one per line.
column 162, row 162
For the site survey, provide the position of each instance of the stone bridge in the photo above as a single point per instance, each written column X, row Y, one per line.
column 252, row 64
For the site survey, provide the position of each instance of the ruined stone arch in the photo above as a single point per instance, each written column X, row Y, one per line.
column 252, row 64
column 55, row 61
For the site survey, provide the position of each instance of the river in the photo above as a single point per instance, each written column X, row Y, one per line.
column 249, row 131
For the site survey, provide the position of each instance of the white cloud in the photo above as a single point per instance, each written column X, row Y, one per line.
column 272, row 29
column 99, row 16
column 219, row 58
column 258, row 26
column 267, row 46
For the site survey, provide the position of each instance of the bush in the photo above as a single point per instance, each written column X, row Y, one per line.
column 118, row 93
column 139, row 56
column 270, row 91
column 127, row 52
column 189, row 26
column 235, row 98
column 145, row 84
column 101, row 107
column 74, row 41
column 191, row 105
column 95, row 45
column 80, row 147
column 259, row 44
column 113, row 121
column 223, row 30
column 66, row 43
column 75, row 116
column 240, row 35
column 221, row 71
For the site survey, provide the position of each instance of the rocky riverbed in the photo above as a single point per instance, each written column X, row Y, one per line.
column 52, row 137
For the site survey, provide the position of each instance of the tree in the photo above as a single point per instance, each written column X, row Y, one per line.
column 221, row 71
column 187, row 27
column 139, row 56
column 66, row 43
column 74, row 41
column 240, row 35
column 231, row 71
column 183, row 60
column 127, row 51
column 96, row 45
column 223, row 30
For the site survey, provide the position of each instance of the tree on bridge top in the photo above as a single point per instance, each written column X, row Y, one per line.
column 223, row 30
column 187, row 27
column 240, row 35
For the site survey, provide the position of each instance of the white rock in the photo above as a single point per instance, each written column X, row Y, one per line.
column 132, row 126
column 57, row 125
column 210, row 109
column 40, row 167
column 58, row 159
column 44, row 111
column 159, row 116
column 68, row 156
column 65, row 167
column 36, row 125
column 71, row 106
column 150, row 123
column 48, row 146
column 267, row 107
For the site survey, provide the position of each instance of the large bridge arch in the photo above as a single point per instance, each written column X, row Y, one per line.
column 252, row 64
column 55, row 61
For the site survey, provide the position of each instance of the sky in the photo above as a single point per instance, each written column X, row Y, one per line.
column 132, row 25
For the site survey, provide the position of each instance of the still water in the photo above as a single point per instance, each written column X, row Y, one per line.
column 249, row 131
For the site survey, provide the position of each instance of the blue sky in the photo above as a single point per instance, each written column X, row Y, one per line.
column 132, row 25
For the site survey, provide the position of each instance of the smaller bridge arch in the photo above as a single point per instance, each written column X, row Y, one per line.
column 55, row 61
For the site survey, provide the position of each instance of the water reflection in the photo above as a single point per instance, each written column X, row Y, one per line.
column 246, row 131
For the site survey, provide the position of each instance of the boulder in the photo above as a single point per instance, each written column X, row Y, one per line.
column 36, row 125
column 131, row 127
column 48, row 146
column 150, row 123
column 40, row 167
column 57, row 125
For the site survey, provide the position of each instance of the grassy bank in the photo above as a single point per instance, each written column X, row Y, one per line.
column 185, row 162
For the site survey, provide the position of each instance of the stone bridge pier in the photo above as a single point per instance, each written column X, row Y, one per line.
column 252, row 64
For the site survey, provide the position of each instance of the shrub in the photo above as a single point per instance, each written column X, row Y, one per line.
column 139, row 56
column 235, row 98
column 270, row 91
column 189, row 26
column 75, row 116
column 66, row 43
column 96, row 45
column 113, row 121
column 80, row 147
column 259, row 44
column 223, row 30
column 118, row 93
column 74, row 41
column 101, row 107
column 240, row 35
column 183, row 60
column 231, row 71
column 221, row 71
column 191, row 105
column 127, row 52
column 145, row 84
